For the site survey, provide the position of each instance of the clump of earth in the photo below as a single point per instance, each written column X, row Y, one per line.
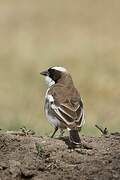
column 42, row 158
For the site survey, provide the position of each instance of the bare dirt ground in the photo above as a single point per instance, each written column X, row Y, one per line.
column 36, row 158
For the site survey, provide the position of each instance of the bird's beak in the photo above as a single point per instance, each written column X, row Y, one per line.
column 44, row 73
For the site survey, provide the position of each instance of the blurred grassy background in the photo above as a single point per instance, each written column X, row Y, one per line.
column 83, row 36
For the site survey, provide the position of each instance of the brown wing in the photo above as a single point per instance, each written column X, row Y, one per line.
column 67, row 106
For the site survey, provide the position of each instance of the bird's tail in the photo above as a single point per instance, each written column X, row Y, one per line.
column 74, row 136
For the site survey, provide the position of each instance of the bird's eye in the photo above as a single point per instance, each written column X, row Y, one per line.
column 54, row 74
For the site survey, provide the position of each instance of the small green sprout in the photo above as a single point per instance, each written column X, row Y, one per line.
column 39, row 148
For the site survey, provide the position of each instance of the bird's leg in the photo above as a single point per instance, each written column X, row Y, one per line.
column 56, row 128
column 61, row 133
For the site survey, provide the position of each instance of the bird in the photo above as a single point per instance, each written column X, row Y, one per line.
column 63, row 103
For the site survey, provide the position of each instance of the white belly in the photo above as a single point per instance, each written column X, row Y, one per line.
column 49, row 112
column 52, row 120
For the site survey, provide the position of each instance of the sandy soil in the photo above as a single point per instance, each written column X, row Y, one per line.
column 36, row 158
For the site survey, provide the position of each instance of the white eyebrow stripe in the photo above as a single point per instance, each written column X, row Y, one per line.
column 59, row 68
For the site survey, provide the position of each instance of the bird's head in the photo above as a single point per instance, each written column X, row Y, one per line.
column 54, row 74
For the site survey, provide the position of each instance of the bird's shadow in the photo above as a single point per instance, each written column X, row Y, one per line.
column 70, row 145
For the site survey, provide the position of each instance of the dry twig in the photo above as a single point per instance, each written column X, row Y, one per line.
column 103, row 131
